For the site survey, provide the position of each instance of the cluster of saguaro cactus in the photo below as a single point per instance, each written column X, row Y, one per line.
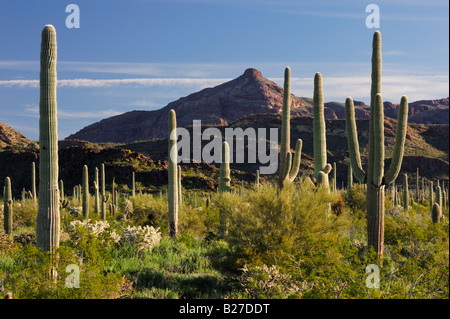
column 48, row 219
column 172, row 193
column 288, row 168
column 376, row 177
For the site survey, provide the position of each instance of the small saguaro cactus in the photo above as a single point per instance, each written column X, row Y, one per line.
column 133, row 185
column 257, row 179
column 172, row 192
column 48, row 217
column 376, row 177
column 85, row 192
column 288, row 170
column 8, row 207
column 405, row 192
column 439, row 196
column 417, row 186
column 431, row 194
column 61, row 189
column 225, row 179
column 436, row 213
column 96, row 192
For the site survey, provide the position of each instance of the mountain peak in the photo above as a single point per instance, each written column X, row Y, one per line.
column 252, row 73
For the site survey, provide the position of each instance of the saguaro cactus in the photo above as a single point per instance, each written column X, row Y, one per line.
column 288, row 170
column 48, row 218
column 350, row 177
column 436, row 213
column 85, row 192
column 225, row 179
column 319, row 137
column 180, row 191
column 405, row 192
column 376, row 178
column 8, row 207
column 33, row 182
column 172, row 194
column 97, row 192
column 133, row 186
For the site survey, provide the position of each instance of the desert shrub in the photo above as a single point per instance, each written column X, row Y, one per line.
column 355, row 199
column 268, row 224
column 30, row 278
column 151, row 211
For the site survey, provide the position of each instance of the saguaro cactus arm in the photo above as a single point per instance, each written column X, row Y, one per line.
column 352, row 139
column 400, row 136
column 291, row 168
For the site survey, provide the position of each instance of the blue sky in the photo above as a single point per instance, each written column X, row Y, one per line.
column 143, row 54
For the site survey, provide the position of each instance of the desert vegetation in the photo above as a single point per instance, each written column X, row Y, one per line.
column 298, row 236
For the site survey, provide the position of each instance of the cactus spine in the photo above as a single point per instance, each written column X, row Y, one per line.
column 405, row 192
column 288, row 169
column 8, row 207
column 173, row 174
column 48, row 217
column 376, row 178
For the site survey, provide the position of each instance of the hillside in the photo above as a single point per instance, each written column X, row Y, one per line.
column 250, row 93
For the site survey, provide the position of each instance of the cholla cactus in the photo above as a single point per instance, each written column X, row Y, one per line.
column 145, row 237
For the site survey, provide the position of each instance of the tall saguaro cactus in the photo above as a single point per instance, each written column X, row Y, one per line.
column 172, row 193
column 288, row 169
column 48, row 217
column 376, row 177
column 319, row 137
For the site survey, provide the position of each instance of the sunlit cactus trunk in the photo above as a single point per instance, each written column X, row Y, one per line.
column 48, row 218
column 376, row 177
column 172, row 193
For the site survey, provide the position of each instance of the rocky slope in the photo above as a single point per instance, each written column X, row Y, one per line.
column 250, row 93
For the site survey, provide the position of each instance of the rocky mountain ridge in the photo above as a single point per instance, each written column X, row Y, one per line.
column 250, row 93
